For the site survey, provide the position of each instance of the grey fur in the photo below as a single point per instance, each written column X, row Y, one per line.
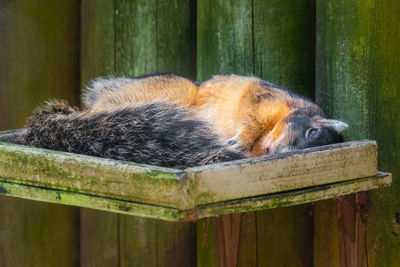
column 156, row 133
column 100, row 85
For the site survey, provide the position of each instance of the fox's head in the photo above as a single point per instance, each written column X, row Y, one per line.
column 284, row 121
column 304, row 131
column 304, row 126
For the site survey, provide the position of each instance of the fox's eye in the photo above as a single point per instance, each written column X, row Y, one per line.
column 311, row 132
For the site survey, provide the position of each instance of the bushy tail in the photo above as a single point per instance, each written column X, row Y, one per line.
column 156, row 133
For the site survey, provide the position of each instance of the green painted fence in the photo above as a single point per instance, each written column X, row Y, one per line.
column 135, row 38
column 273, row 40
column 39, row 59
column 345, row 53
column 357, row 70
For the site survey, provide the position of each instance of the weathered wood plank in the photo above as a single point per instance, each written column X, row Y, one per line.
column 268, row 201
column 99, row 238
column 155, row 36
column 286, row 171
column 194, row 186
column 295, row 197
column 39, row 59
column 89, row 201
column 148, row 242
column 284, row 42
column 326, row 238
column 97, row 39
column 224, row 38
column 38, row 234
column 90, row 175
column 99, row 230
column 275, row 231
column 273, row 40
column 39, row 56
column 358, row 61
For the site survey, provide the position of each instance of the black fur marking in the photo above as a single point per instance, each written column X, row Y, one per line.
column 307, row 105
column 268, row 84
column 156, row 133
column 266, row 96
column 299, row 122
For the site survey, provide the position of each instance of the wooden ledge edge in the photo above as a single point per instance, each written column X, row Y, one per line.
column 77, row 199
column 268, row 201
column 295, row 197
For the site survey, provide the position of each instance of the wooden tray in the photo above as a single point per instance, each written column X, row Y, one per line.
column 186, row 195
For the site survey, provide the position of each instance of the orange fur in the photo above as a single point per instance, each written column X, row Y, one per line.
column 238, row 107
column 171, row 87
column 231, row 103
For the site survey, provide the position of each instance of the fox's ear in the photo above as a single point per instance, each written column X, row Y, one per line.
column 339, row 126
column 258, row 94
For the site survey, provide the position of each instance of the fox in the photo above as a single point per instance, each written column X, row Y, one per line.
column 171, row 121
column 246, row 112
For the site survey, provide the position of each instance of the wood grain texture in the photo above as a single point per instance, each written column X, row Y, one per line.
column 98, row 238
column 99, row 233
column 284, row 54
column 286, row 171
column 95, row 176
column 326, row 238
column 357, row 78
column 268, row 201
column 184, row 189
column 89, row 201
column 155, row 36
column 295, row 197
column 39, row 59
column 273, row 40
column 224, row 38
column 146, row 242
column 284, row 41
column 97, row 39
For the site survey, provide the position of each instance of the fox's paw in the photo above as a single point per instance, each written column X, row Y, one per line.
column 238, row 143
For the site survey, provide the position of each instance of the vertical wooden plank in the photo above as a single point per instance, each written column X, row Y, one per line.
column 97, row 39
column 274, row 40
column 284, row 37
column 99, row 230
column 285, row 236
column 228, row 240
column 39, row 56
column 224, row 38
column 326, row 243
column 138, row 241
column 147, row 242
column 99, row 238
column 357, row 78
column 284, row 54
column 136, row 38
column 155, row 36
column 39, row 59
column 225, row 45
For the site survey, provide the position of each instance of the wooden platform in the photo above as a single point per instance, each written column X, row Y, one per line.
column 186, row 195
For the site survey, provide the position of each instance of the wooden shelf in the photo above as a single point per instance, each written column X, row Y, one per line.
column 186, row 195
